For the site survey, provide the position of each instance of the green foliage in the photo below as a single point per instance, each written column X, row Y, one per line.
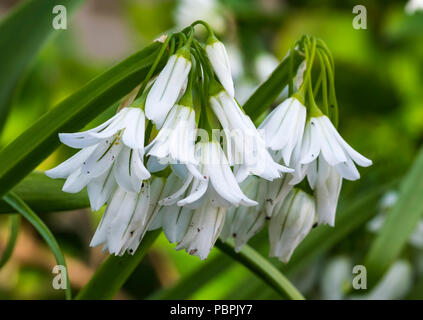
column 16, row 203
column 21, row 156
column 15, row 222
column 23, row 37
column 43, row 195
column 114, row 271
column 400, row 222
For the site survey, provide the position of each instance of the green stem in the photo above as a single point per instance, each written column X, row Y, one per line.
column 262, row 268
column 20, row 206
column 15, row 222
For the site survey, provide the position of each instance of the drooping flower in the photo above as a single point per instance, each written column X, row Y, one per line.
column 243, row 223
column 168, row 86
column 249, row 150
column 327, row 142
column 276, row 191
column 291, row 221
column 175, row 142
column 219, row 60
column 127, row 218
column 327, row 183
column 112, row 154
column 284, row 127
column 217, row 183
column 204, row 227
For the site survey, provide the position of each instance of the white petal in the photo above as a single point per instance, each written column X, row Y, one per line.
column 66, row 168
column 166, row 89
column 102, row 158
column 220, row 63
column 100, row 189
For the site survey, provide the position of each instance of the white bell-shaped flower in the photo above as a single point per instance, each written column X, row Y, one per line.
column 291, row 221
column 127, row 218
column 325, row 141
column 284, row 127
column 175, row 142
column 204, row 227
column 217, row 183
column 248, row 152
column 219, row 60
column 112, row 154
column 327, row 183
column 168, row 86
column 243, row 223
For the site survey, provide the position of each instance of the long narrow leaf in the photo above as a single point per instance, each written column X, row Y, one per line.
column 15, row 222
column 262, row 268
column 114, row 272
column 22, row 34
column 20, row 206
column 44, row 194
column 400, row 222
column 35, row 144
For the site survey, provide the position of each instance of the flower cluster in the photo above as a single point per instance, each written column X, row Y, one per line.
column 181, row 154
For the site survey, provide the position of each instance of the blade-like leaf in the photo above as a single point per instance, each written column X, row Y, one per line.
column 44, row 194
column 261, row 267
column 22, row 34
column 16, row 203
column 114, row 271
column 400, row 222
column 35, row 144
column 15, row 222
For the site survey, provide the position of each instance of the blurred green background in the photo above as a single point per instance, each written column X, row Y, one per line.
column 379, row 81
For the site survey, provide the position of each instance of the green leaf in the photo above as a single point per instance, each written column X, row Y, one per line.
column 114, row 271
column 44, row 194
column 35, row 144
column 184, row 288
column 400, row 222
column 15, row 202
column 267, row 93
column 15, row 222
column 262, row 268
column 22, row 34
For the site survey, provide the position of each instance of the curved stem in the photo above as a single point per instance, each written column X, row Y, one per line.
column 20, row 206
column 262, row 268
column 15, row 222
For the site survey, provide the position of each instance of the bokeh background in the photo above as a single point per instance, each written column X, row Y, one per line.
column 379, row 81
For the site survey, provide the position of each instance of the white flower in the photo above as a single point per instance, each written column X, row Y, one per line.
column 264, row 64
column 284, row 127
column 220, row 62
column 276, row 191
column 249, row 150
column 326, row 141
column 189, row 11
column 175, row 142
column 327, row 183
column 111, row 154
column 173, row 219
column 166, row 89
column 217, row 183
column 413, row 5
column 127, row 218
column 291, row 221
column 204, row 227
column 243, row 223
